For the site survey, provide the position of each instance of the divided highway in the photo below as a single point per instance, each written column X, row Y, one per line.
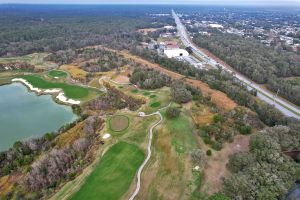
column 283, row 105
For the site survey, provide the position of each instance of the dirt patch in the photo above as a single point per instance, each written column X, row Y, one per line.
column 216, row 166
column 121, row 79
column 145, row 31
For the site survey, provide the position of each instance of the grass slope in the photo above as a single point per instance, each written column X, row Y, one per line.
column 71, row 91
column 113, row 175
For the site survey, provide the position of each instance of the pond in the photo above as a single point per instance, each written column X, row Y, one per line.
column 24, row 114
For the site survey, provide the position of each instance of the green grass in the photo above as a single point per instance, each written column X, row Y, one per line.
column 114, row 173
column 152, row 96
column 57, row 73
column 135, row 91
column 146, row 93
column 296, row 81
column 155, row 105
column 71, row 91
column 182, row 133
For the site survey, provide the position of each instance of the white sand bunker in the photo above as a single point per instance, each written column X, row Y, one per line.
column 61, row 96
column 106, row 136
column 27, row 84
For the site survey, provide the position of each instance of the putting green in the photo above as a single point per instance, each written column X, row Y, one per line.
column 112, row 177
column 57, row 73
column 118, row 123
column 155, row 105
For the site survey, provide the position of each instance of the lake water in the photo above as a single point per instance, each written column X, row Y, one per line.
column 23, row 114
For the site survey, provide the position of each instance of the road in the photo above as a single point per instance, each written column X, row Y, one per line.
column 287, row 108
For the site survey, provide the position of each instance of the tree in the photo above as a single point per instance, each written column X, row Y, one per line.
column 179, row 93
column 172, row 112
column 199, row 157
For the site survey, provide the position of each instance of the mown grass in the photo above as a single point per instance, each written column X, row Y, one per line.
column 57, row 73
column 181, row 130
column 135, row 91
column 155, row 105
column 71, row 91
column 114, row 173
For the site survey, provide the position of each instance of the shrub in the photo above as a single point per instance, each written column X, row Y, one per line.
column 218, row 118
column 206, row 140
column 245, row 130
column 208, row 152
column 199, row 157
column 217, row 146
column 172, row 112
column 218, row 196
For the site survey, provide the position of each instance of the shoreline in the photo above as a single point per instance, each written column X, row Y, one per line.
column 60, row 94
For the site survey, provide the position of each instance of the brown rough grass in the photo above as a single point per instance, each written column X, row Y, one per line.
column 75, row 72
column 7, row 183
column 70, row 136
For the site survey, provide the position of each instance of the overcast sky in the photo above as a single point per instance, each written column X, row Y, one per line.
column 207, row 2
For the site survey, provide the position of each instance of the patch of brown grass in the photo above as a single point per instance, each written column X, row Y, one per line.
column 75, row 72
column 201, row 115
column 70, row 136
column 7, row 183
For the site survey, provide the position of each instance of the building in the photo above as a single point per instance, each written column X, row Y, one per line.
column 171, row 45
column 215, row 26
column 173, row 53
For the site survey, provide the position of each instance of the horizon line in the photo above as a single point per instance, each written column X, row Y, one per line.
column 153, row 4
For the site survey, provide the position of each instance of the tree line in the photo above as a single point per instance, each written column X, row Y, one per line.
column 262, row 64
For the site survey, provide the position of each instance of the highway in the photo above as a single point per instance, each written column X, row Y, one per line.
column 287, row 108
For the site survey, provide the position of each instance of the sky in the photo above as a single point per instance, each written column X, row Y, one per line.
column 201, row 2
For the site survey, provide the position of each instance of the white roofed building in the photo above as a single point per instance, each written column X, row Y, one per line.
column 173, row 53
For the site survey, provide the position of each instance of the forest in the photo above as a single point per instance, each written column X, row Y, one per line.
column 28, row 29
column 262, row 64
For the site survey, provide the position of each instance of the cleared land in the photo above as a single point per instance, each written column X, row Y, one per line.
column 71, row 91
column 113, row 175
column 118, row 123
column 36, row 59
